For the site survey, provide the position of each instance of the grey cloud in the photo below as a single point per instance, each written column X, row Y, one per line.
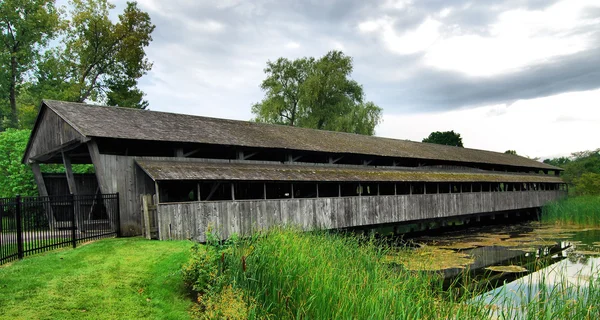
column 256, row 31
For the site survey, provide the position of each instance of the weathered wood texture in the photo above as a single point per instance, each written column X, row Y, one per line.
column 121, row 174
column 190, row 220
column 52, row 134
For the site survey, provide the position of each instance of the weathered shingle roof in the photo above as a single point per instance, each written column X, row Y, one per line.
column 124, row 123
column 160, row 170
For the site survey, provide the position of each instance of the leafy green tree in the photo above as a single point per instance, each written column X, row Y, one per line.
column 588, row 184
column 449, row 138
column 15, row 177
column 316, row 93
column 26, row 26
column 558, row 162
column 513, row 152
column 99, row 60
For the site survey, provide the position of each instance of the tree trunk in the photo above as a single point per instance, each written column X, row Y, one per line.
column 14, row 121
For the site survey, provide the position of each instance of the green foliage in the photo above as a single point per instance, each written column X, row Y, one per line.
column 206, row 275
column 588, row 184
column 513, row 152
column 582, row 210
column 316, row 93
column 26, row 26
column 582, row 170
column 100, row 60
column 15, row 177
column 449, row 138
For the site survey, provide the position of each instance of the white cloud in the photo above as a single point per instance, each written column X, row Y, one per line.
column 409, row 42
column 519, row 38
column 534, row 127
column 292, row 45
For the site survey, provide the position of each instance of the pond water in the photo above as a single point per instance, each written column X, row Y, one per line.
column 511, row 262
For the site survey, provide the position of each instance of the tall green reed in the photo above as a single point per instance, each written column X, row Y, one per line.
column 583, row 211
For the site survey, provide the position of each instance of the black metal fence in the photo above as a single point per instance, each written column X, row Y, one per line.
column 31, row 225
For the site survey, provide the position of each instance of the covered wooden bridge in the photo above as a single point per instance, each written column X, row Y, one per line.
column 239, row 176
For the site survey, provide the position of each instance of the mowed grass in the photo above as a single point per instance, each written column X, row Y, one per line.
column 582, row 211
column 126, row 278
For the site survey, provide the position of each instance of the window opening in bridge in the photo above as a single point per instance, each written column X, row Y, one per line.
column 328, row 190
column 178, row 191
column 351, row 189
column 214, row 191
column 430, row 188
column 305, row 190
column 444, row 187
column 279, row 190
column 402, row 188
column 386, row 189
column 248, row 190
column 418, row 188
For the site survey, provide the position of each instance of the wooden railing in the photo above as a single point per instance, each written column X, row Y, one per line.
column 190, row 220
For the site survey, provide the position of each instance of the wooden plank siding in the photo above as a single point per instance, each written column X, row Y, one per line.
column 189, row 220
column 52, row 134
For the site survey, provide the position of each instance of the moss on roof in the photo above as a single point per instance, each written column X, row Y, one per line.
column 196, row 170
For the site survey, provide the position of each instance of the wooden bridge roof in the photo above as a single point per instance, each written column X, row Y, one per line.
column 160, row 170
column 124, row 123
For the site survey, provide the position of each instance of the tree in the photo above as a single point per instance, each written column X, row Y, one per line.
column 15, row 177
column 316, row 93
column 449, row 138
column 588, row 184
column 99, row 60
column 513, row 152
column 26, row 26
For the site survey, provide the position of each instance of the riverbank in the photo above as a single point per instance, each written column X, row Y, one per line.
column 286, row 274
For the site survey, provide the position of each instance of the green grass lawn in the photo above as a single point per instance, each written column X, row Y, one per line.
column 126, row 278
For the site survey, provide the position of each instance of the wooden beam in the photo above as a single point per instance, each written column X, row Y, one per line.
column 212, row 190
column 98, row 168
column 73, row 189
column 187, row 154
column 39, row 180
column 332, row 160
column 69, row 173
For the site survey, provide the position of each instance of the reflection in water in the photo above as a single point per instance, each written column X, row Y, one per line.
column 532, row 246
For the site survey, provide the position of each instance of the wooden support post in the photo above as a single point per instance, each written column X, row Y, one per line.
column 72, row 189
column 179, row 152
column 157, row 193
column 424, row 188
column 411, row 189
column 198, row 189
column 395, row 189
column 339, row 190
column 317, row 184
column 145, row 203
column 240, row 155
column 265, row 190
column 437, row 185
column 98, row 168
column 292, row 187
column 360, row 191
column 39, row 180
column 378, row 189
column 232, row 191
column 471, row 186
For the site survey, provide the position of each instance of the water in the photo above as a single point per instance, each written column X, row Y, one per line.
column 510, row 262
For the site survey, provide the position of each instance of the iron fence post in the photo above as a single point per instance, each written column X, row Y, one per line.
column 118, row 217
column 19, row 221
column 73, row 221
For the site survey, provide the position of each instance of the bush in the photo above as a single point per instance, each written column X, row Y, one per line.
column 588, row 184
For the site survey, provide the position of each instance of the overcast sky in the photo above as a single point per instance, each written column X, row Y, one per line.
column 522, row 75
